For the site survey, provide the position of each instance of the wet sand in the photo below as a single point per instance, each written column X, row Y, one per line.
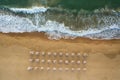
column 103, row 62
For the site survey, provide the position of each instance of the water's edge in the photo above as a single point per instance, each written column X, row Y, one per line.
column 61, row 23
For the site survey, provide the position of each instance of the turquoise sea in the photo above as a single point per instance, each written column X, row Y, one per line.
column 69, row 4
column 95, row 19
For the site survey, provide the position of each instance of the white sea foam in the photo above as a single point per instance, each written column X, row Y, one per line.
column 9, row 23
column 29, row 10
column 106, row 34
column 54, row 30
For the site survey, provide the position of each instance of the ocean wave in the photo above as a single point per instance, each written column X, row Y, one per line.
column 107, row 34
column 55, row 30
column 9, row 23
column 33, row 9
column 102, row 24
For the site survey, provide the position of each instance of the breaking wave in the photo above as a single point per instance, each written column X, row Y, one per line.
column 37, row 19
column 29, row 10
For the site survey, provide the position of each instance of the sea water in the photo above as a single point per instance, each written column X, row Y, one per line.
column 66, row 19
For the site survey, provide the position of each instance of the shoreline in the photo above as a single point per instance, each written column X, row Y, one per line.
column 43, row 34
column 77, row 42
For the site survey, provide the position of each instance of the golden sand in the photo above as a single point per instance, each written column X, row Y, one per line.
column 103, row 62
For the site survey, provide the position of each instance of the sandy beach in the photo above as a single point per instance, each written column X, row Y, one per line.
column 103, row 62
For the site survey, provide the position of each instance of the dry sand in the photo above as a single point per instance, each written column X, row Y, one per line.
column 103, row 62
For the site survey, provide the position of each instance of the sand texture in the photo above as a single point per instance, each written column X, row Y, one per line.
column 103, row 61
